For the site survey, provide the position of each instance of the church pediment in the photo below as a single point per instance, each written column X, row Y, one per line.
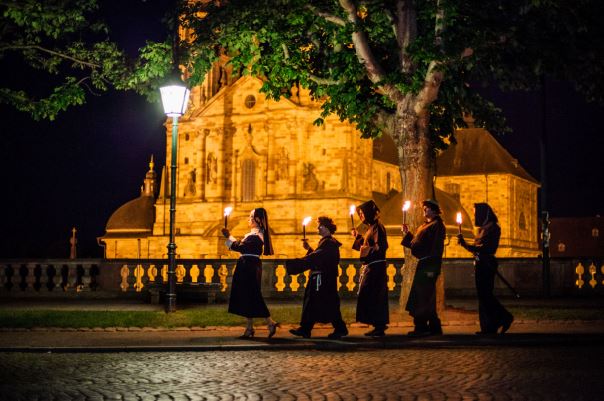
column 241, row 97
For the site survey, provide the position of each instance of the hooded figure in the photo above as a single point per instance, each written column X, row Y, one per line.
column 372, row 303
column 321, row 299
column 427, row 246
column 246, row 296
column 492, row 314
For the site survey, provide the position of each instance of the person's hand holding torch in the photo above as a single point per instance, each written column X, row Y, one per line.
column 406, row 207
column 459, row 221
column 227, row 212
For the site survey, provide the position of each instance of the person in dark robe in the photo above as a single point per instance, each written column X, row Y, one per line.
column 321, row 299
column 492, row 314
column 372, row 302
column 246, row 296
column 427, row 246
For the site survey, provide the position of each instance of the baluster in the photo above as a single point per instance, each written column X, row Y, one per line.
column 280, row 274
column 139, row 273
column 391, row 272
column 124, row 273
column 223, row 273
column 164, row 273
column 152, row 273
column 208, row 273
column 602, row 270
column 592, row 272
column 194, row 273
column 338, row 280
column 293, row 285
column 181, row 272
column 579, row 270
column 351, row 272
column 86, row 278
column 72, row 276
column 30, row 279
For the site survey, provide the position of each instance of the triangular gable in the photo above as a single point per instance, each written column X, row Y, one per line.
column 215, row 106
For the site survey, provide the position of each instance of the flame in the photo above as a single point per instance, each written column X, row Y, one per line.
column 353, row 209
column 458, row 218
column 228, row 210
column 306, row 220
column 406, row 205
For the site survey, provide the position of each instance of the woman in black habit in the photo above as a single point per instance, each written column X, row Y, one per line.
column 372, row 302
column 321, row 299
column 491, row 313
column 246, row 296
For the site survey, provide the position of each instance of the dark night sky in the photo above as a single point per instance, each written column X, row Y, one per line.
column 77, row 170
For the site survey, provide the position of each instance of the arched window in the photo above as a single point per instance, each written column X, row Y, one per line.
column 248, row 180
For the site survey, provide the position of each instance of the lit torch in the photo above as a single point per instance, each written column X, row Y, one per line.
column 227, row 212
column 458, row 219
column 304, row 224
column 352, row 210
column 406, row 207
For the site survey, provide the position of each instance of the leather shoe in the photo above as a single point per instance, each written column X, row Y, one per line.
column 375, row 333
column 299, row 332
column 336, row 335
column 506, row 324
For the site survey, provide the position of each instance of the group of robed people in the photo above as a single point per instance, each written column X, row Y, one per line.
column 321, row 302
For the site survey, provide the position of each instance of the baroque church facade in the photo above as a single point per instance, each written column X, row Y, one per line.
column 237, row 148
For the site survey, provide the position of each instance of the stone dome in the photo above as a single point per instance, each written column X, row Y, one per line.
column 135, row 216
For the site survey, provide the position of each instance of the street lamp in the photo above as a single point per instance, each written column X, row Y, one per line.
column 174, row 97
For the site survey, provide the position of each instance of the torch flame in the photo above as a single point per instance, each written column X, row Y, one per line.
column 228, row 210
column 306, row 220
column 406, row 205
column 458, row 218
column 353, row 209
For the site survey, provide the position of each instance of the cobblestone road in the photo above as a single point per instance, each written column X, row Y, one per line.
column 485, row 373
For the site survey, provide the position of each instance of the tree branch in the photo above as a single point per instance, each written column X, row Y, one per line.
column 429, row 92
column 326, row 16
column 375, row 72
column 325, row 81
column 54, row 53
column 406, row 28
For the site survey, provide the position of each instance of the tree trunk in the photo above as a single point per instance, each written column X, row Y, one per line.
column 416, row 164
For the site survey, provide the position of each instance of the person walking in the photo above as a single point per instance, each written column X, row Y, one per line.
column 492, row 314
column 246, row 296
column 427, row 246
column 321, row 299
column 372, row 302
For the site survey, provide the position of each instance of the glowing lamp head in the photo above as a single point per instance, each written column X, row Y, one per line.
column 227, row 211
column 406, row 205
column 353, row 209
column 458, row 218
column 175, row 99
column 306, row 220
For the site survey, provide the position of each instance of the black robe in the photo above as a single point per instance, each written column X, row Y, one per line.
column 490, row 311
column 372, row 303
column 427, row 245
column 321, row 298
column 246, row 297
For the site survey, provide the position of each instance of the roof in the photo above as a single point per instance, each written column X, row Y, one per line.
column 136, row 215
column 391, row 212
column 478, row 152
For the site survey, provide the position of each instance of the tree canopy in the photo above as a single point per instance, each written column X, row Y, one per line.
column 64, row 48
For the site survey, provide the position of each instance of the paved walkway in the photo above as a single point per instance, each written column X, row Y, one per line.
column 459, row 325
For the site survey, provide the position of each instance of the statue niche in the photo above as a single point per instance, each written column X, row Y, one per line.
column 211, row 169
column 311, row 184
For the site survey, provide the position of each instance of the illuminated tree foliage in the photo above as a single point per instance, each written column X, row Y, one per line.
column 64, row 49
column 408, row 68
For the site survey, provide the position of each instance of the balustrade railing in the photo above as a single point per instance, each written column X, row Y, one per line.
column 132, row 276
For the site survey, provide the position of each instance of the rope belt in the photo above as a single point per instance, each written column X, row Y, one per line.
column 363, row 272
column 250, row 255
column 370, row 263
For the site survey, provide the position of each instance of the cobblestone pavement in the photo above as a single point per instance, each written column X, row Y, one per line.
column 486, row 373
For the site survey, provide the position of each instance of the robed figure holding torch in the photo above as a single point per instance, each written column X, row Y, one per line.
column 491, row 313
column 427, row 246
column 321, row 298
column 372, row 303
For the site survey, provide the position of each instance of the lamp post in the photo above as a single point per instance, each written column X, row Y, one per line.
column 174, row 97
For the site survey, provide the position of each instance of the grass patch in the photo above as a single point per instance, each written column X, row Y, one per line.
column 209, row 315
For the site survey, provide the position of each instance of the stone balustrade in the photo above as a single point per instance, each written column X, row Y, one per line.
column 132, row 277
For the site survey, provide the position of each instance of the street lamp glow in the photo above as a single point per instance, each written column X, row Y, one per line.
column 175, row 98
